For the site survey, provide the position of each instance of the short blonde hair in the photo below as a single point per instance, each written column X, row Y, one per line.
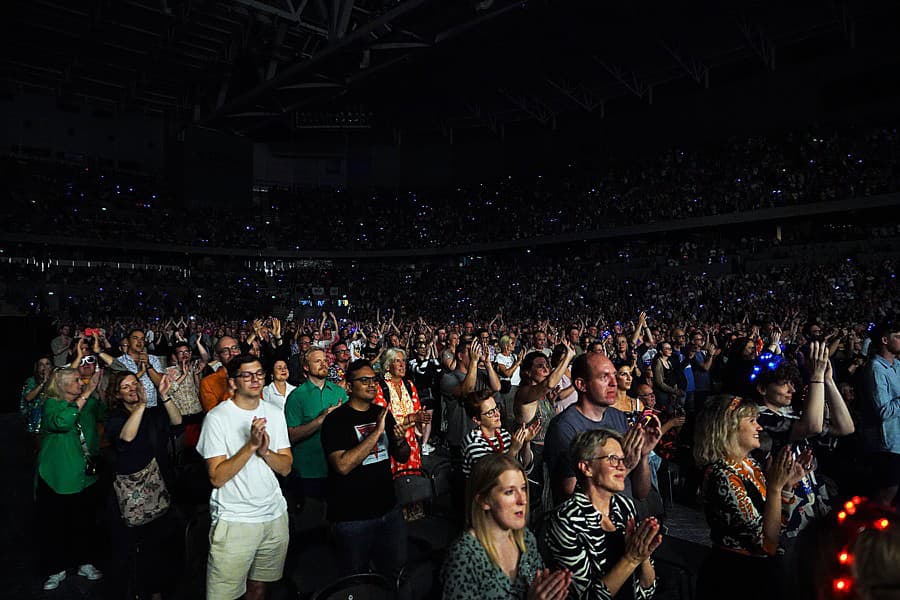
column 716, row 426
column 55, row 389
column 584, row 447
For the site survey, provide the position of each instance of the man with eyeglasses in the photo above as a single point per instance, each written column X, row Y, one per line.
column 341, row 361
column 214, row 388
column 305, row 411
column 146, row 367
column 358, row 438
column 245, row 443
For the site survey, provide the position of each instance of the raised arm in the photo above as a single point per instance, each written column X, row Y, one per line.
column 812, row 420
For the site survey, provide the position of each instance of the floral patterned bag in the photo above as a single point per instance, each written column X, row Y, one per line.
column 143, row 496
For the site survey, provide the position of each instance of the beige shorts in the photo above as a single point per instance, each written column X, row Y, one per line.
column 241, row 551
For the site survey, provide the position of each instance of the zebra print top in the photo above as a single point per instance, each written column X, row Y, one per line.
column 476, row 447
column 577, row 542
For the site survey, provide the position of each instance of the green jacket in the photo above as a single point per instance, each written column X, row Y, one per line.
column 61, row 460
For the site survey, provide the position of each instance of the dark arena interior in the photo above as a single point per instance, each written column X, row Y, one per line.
column 450, row 299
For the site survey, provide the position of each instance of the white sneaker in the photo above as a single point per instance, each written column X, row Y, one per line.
column 427, row 449
column 54, row 580
column 90, row 571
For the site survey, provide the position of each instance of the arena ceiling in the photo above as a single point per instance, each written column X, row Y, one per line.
column 260, row 67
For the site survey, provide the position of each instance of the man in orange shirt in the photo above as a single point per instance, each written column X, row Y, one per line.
column 214, row 388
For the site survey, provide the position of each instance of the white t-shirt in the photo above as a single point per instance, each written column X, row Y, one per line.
column 507, row 362
column 270, row 394
column 253, row 494
column 326, row 344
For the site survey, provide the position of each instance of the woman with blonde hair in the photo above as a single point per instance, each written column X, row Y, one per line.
column 496, row 558
column 67, row 490
column 745, row 509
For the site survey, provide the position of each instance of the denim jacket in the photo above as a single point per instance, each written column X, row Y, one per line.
column 881, row 405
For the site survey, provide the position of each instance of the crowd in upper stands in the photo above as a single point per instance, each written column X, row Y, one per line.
column 679, row 183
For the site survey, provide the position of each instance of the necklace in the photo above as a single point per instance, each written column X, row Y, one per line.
column 499, row 439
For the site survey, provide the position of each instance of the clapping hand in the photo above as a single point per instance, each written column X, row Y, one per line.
column 632, row 446
column 550, row 585
column 259, row 439
column 641, row 540
column 818, row 354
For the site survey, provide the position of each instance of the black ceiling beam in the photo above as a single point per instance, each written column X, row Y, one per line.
column 360, row 33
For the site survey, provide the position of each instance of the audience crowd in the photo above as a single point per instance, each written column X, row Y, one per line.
column 733, row 176
column 575, row 395
column 588, row 414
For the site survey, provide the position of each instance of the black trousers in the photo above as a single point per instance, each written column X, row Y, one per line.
column 68, row 525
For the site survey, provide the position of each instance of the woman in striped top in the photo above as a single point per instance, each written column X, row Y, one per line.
column 489, row 437
column 593, row 533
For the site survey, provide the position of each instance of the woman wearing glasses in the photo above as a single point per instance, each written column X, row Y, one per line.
column 593, row 534
column 489, row 437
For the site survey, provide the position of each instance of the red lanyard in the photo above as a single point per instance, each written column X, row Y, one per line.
column 499, row 448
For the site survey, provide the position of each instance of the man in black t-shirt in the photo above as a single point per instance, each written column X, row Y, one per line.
column 358, row 438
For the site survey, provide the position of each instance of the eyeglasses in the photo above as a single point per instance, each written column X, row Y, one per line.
column 492, row 412
column 365, row 380
column 341, row 350
column 614, row 460
column 88, row 360
column 233, row 349
column 247, row 375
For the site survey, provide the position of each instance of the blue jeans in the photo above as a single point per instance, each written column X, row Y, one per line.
column 381, row 541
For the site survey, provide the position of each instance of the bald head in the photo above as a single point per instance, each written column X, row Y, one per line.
column 227, row 348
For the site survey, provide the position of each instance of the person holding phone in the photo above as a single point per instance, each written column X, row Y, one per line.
column 746, row 509
column 593, row 533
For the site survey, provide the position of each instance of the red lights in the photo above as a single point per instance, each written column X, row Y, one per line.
column 841, row 516
column 882, row 523
column 856, row 500
column 842, row 584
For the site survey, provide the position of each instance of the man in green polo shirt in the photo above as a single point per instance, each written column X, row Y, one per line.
column 304, row 411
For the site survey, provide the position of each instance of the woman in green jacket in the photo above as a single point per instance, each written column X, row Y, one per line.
column 66, row 490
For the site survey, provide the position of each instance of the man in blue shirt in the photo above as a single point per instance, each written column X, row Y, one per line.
column 881, row 409
column 146, row 367
column 594, row 376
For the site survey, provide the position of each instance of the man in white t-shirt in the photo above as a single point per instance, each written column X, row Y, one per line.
column 243, row 441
